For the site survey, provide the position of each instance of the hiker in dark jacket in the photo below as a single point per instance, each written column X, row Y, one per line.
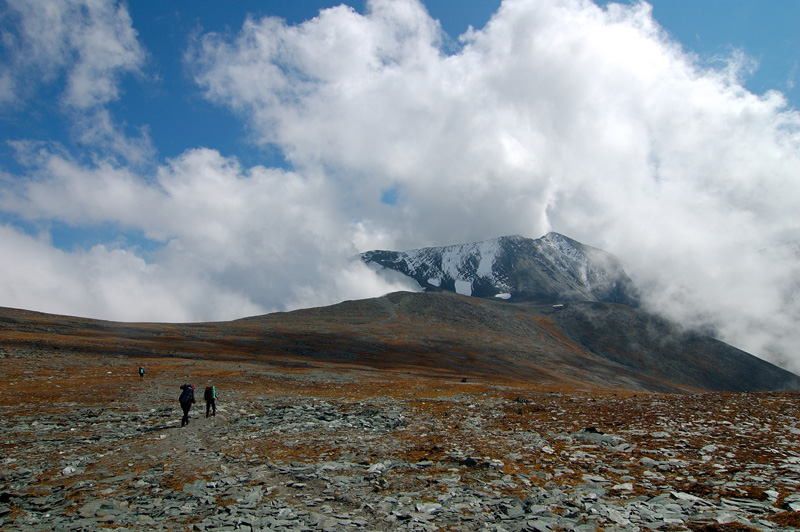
column 211, row 400
column 187, row 400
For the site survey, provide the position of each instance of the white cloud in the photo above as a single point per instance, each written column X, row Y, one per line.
column 82, row 49
column 230, row 242
column 557, row 115
column 91, row 42
column 98, row 130
column 110, row 283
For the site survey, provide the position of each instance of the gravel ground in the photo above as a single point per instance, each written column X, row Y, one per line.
column 88, row 446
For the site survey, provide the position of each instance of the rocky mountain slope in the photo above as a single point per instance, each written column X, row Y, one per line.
column 552, row 269
column 587, row 345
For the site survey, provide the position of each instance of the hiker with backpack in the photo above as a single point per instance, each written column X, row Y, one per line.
column 141, row 373
column 211, row 400
column 187, row 400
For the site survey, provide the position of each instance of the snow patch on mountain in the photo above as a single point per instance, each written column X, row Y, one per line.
column 462, row 263
column 463, row 287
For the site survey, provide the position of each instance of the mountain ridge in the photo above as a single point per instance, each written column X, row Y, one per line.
column 568, row 318
column 582, row 345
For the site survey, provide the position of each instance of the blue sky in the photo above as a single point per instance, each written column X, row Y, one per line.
column 764, row 31
column 200, row 160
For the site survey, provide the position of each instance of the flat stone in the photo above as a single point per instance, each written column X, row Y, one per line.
column 90, row 508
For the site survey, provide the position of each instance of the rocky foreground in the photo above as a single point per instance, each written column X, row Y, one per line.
column 86, row 445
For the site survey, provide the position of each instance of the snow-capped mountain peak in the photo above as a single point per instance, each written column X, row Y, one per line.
column 552, row 268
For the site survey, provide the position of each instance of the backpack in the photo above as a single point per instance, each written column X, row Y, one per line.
column 187, row 396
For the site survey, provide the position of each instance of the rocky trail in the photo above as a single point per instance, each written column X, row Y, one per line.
column 88, row 446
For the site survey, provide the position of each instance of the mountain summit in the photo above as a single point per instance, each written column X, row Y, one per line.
column 551, row 269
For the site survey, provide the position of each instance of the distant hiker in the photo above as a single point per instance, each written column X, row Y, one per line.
column 187, row 400
column 211, row 400
column 141, row 373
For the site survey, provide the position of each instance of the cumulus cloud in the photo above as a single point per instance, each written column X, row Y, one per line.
column 91, row 42
column 558, row 115
column 227, row 242
column 109, row 283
